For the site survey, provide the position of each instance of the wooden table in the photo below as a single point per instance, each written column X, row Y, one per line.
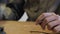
column 14, row 27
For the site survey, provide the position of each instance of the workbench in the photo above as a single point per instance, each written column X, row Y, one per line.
column 14, row 27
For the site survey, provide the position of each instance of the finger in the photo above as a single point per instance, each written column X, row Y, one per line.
column 48, row 19
column 44, row 15
column 57, row 29
column 52, row 24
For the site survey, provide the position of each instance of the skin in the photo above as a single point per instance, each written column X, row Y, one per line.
column 38, row 20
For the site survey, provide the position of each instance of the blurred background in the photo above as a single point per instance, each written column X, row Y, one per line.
column 26, row 10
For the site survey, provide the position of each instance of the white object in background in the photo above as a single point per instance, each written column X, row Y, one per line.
column 24, row 17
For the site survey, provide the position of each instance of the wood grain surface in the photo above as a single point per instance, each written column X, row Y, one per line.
column 14, row 27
